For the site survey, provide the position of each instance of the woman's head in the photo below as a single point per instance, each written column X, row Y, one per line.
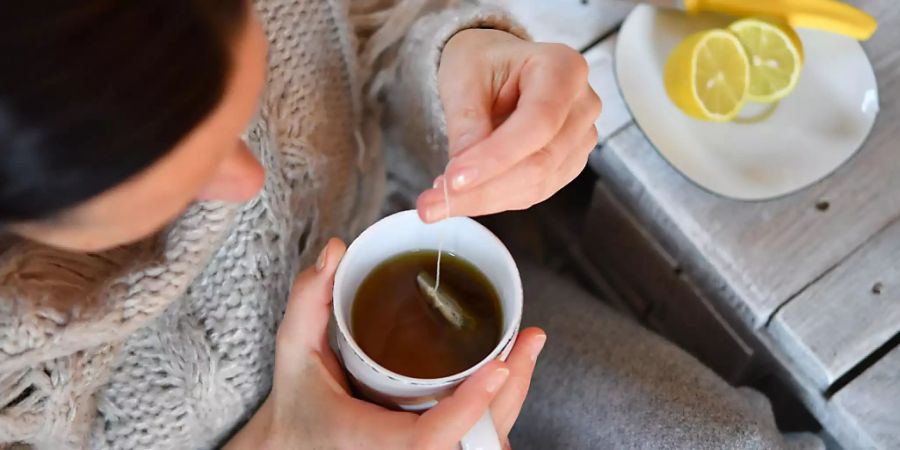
column 115, row 115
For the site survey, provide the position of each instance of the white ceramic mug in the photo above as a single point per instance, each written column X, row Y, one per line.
column 401, row 233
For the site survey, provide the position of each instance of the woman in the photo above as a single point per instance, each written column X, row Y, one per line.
column 118, row 115
column 153, row 242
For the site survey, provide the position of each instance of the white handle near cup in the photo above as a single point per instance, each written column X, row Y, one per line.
column 401, row 233
column 482, row 436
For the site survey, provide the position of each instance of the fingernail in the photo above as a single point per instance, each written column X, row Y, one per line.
column 497, row 379
column 464, row 177
column 537, row 346
column 322, row 259
column 437, row 182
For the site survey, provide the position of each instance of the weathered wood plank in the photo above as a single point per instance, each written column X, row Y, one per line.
column 722, row 298
column 767, row 252
column 571, row 22
column 650, row 281
column 842, row 318
column 602, row 77
column 755, row 257
column 870, row 404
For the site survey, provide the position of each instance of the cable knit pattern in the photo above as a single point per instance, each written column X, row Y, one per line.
column 169, row 343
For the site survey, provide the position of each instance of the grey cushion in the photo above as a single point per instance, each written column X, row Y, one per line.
column 605, row 382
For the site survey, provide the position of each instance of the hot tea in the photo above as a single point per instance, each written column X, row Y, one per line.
column 400, row 328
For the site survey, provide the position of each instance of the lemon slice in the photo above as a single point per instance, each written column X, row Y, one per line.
column 708, row 75
column 776, row 57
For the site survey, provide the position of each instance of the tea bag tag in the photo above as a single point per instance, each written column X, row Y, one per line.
column 443, row 302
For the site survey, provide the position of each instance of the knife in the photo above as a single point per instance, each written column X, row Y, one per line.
column 827, row 15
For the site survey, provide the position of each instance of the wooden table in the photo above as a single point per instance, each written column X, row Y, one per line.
column 809, row 283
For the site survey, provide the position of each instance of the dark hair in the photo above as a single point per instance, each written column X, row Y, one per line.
column 93, row 91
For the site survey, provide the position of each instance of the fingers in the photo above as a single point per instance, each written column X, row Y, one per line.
column 572, row 167
column 303, row 328
column 508, row 403
column 530, row 181
column 444, row 425
column 547, row 89
column 503, row 387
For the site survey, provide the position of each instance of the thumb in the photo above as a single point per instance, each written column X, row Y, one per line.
column 444, row 425
column 305, row 322
column 467, row 108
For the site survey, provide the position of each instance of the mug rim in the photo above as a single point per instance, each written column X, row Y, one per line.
column 508, row 335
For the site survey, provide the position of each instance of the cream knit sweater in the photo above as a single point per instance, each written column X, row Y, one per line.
column 169, row 343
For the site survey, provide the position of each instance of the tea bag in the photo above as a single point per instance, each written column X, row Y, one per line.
column 443, row 302
column 430, row 286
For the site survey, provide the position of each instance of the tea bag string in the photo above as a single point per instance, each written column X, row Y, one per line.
column 437, row 276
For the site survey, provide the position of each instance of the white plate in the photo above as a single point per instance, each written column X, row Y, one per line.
column 809, row 135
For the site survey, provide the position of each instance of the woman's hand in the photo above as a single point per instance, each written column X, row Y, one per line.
column 520, row 119
column 310, row 405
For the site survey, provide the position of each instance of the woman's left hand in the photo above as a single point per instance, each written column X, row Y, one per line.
column 520, row 121
column 311, row 406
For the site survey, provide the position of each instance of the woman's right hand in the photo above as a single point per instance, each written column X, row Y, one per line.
column 310, row 405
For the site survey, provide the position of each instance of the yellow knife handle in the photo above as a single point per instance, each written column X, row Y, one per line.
column 826, row 15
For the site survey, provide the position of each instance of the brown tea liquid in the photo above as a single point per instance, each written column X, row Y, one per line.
column 396, row 326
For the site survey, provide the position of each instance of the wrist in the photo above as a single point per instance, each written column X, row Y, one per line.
column 256, row 433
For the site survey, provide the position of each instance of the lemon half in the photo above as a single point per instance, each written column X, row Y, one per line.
column 708, row 75
column 775, row 54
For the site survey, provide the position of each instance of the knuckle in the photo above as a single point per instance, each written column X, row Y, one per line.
column 541, row 163
column 467, row 112
column 579, row 65
column 530, row 197
column 575, row 169
column 548, row 191
column 593, row 138
column 475, row 203
column 542, row 174
column 546, row 118
column 481, row 202
column 549, row 52
column 549, row 108
column 595, row 104
column 523, row 205
column 578, row 169
column 538, row 192
column 519, row 386
column 569, row 59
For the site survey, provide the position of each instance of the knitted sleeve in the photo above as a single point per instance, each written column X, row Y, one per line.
column 399, row 60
